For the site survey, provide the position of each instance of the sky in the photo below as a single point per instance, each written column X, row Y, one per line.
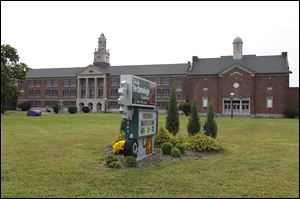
column 65, row 34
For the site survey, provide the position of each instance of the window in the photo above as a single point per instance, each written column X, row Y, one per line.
column 37, row 83
column 100, row 82
column 115, row 81
column 114, row 104
column 178, row 83
column 37, row 103
column 204, row 101
column 82, row 93
column 31, row 92
column 30, row 82
column 48, row 103
column 91, row 93
column 66, row 93
column 165, row 92
column 55, row 93
column 158, row 92
column 83, row 82
column 66, row 104
column 245, row 106
column 48, row 93
column 114, row 92
column 37, row 93
column 91, row 82
column 269, row 102
column 73, row 93
column 72, row 103
column 51, row 83
column 100, row 93
column 227, row 106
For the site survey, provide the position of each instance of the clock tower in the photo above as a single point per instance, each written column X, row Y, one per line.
column 101, row 55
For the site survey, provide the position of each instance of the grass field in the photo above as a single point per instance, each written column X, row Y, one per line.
column 61, row 156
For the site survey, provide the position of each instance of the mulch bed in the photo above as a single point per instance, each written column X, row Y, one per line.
column 157, row 157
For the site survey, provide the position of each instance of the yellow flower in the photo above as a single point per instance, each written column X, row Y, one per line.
column 118, row 146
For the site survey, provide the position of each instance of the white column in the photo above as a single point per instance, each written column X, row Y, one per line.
column 86, row 88
column 95, row 87
column 104, row 88
column 78, row 88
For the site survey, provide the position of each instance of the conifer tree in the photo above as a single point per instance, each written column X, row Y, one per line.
column 172, row 121
column 210, row 126
column 193, row 126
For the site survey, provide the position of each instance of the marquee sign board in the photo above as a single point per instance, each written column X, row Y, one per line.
column 137, row 101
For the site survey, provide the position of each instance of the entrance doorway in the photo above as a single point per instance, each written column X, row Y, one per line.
column 239, row 106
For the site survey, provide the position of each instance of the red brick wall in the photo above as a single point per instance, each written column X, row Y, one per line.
column 293, row 99
column 279, row 92
column 251, row 86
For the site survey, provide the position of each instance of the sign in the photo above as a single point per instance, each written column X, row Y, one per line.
column 147, row 123
column 143, row 92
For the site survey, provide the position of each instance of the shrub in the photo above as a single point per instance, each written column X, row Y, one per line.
column 72, row 109
column 123, row 125
column 55, row 108
column 121, row 136
column 130, row 162
column 172, row 120
column 164, row 136
column 109, row 159
column 201, row 142
column 24, row 106
column 118, row 147
column 210, row 125
column 181, row 147
column 193, row 125
column 48, row 110
column 185, row 108
column 291, row 113
column 175, row 152
column 115, row 165
column 85, row 109
column 166, row 147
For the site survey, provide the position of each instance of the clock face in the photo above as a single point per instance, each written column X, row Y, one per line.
column 236, row 85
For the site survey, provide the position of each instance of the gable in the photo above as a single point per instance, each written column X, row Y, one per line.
column 90, row 70
column 234, row 66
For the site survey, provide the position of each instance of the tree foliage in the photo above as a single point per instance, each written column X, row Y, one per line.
column 210, row 126
column 193, row 126
column 172, row 121
column 12, row 71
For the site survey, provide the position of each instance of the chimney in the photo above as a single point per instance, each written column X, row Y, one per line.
column 284, row 55
column 195, row 58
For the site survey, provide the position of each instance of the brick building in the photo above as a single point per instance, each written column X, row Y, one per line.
column 258, row 85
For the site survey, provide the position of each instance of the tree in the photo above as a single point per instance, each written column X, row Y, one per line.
column 193, row 126
column 11, row 72
column 172, row 121
column 210, row 126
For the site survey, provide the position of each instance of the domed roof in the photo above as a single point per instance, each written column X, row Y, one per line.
column 237, row 40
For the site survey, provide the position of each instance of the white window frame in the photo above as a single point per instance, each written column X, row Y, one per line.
column 205, row 102
column 269, row 102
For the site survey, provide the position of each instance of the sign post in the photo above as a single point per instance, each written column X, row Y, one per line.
column 137, row 101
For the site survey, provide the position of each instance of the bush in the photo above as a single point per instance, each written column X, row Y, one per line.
column 181, row 147
column 85, row 109
column 166, row 147
column 193, row 125
column 210, row 125
column 115, row 165
column 55, row 108
column 48, row 110
column 164, row 136
column 72, row 109
column 109, row 159
column 24, row 106
column 121, row 136
column 185, row 108
column 130, row 162
column 201, row 142
column 175, row 152
column 172, row 119
column 123, row 125
column 291, row 113
column 118, row 147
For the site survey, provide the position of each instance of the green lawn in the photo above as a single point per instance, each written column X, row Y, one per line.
column 61, row 156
